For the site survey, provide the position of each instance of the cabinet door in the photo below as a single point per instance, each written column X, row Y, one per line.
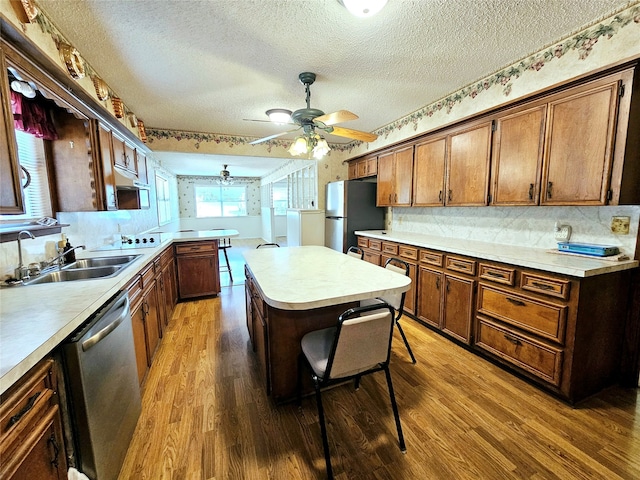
column 518, row 143
column 249, row 312
column 151, row 312
column 430, row 285
column 410, row 296
column 579, row 146
column 261, row 339
column 353, row 170
column 141, row 162
column 372, row 166
column 169, row 296
column 106, row 160
column 44, row 459
column 468, row 166
column 403, row 175
column 10, row 185
column 385, row 180
column 458, row 307
column 139, row 339
column 197, row 275
column 428, row 173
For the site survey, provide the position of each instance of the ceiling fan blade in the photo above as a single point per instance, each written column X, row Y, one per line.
column 271, row 137
column 336, row 117
column 354, row 134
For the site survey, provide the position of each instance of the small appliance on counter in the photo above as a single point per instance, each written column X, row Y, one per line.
column 588, row 249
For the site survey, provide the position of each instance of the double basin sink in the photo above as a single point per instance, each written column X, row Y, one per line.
column 86, row 269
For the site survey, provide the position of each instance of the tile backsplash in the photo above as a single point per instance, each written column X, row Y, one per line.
column 523, row 226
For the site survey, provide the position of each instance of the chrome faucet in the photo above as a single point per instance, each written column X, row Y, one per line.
column 59, row 259
column 22, row 271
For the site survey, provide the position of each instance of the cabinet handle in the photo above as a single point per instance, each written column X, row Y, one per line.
column 459, row 265
column 531, row 191
column 449, row 195
column 494, row 274
column 438, row 283
column 448, row 284
column 549, row 188
column 440, row 196
column 16, row 418
column 56, row 450
column 543, row 286
column 511, row 339
column 519, row 303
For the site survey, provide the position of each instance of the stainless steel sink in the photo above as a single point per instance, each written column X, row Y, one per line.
column 76, row 274
column 121, row 260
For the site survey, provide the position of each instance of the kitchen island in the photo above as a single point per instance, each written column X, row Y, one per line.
column 292, row 291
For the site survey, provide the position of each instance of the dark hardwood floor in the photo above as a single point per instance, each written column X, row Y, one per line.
column 206, row 416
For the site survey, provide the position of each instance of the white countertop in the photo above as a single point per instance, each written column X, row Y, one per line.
column 537, row 258
column 35, row 319
column 303, row 278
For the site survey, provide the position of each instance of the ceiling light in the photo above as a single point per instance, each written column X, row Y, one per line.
column 309, row 144
column 225, row 177
column 363, row 8
column 279, row 115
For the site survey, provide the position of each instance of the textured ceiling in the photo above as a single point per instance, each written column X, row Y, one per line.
column 205, row 66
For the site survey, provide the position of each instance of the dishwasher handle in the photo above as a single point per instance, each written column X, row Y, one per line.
column 98, row 336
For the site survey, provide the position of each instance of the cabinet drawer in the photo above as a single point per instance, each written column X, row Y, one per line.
column 191, row 247
column 410, row 253
column 363, row 242
column 26, row 402
column 544, row 319
column 134, row 289
column 543, row 361
column 390, row 248
column 166, row 257
column 375, row 245
column 372, row 257
column 506, row 276
column 432, row 258
column 461, row 265
column 553, row 287
column 147, row 275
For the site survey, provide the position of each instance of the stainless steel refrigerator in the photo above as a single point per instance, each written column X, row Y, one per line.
column 350, row 206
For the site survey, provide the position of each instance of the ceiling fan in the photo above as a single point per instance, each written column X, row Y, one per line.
column 310, row 119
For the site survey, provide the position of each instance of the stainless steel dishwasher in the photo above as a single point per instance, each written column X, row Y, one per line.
column 104, row 394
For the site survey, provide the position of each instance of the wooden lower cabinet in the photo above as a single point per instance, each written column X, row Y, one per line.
column 445, row 300
column 563, row 333
column 31, row 439
column 145, row 318
column 197, row 269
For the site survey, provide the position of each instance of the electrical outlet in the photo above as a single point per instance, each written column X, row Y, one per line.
column 562, row 233
column 620, row 225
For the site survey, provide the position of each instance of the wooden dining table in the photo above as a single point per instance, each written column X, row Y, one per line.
column 291, row 291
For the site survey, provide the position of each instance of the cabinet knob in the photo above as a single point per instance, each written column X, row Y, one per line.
column 549, row 189
column 531, row 191
column 450, row 195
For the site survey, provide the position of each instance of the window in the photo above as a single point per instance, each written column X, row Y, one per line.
column 221, row 201
column 163, row 200
column 37, row 201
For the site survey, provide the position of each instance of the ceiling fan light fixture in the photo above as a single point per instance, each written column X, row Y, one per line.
column 279, row 115
column 300, row 146
column 225, row 177
column 321, row 148
column 363, row 8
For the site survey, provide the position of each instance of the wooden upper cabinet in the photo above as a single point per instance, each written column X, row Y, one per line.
column 403, row 176
column 124, row 155
column 467, row 179
column 395, row 178
column 385, row 188
column 428, row 172
column 518, row 143
column 579, row 145
column 105, row 148
column 11, row 201
column 353, row 170
column 141, row 162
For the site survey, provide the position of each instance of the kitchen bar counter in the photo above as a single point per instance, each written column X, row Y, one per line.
column 303, row 278
column 35, row 319
column 537, row 258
